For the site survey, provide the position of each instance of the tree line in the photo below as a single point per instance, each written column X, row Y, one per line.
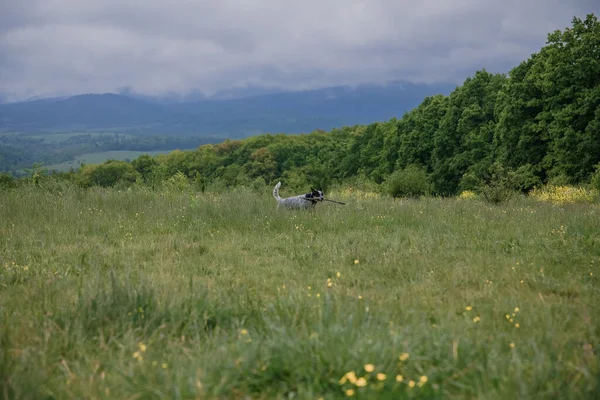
column 538, row 124
column 20, row 150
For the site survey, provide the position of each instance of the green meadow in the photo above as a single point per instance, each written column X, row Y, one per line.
column 141, row 294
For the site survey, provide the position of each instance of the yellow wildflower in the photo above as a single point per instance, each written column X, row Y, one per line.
column 338, row 274
column 422, row 380
column 563, row 194
column 512, row 345
column 403, row 357
column 349, row 377
column 517, row 325
column 411, row 384
column 476, row 319
column 468, row 308
column 164, row 365
column 350, row 392
column 516, row 309
column 381, row 376
column 142, row 346
column 244, row 332
column 399, row 378
column 369, row 367
column 467, row 194
column 355, row 261
column 361, row 382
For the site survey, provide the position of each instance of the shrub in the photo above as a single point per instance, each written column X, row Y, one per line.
column 108, row 174
column 7, row 181
column 411, row 181
column 499, row 185
column 595, row 179
column 178, row 182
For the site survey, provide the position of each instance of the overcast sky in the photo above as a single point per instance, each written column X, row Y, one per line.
column 58, row 47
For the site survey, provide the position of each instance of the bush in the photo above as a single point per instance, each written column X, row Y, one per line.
column 411, row 181
column 595, row 179
column 178, row 182
column 469, row 182
column 7, row 181
column 559, row 180
column 108, row 174
column 499, row 185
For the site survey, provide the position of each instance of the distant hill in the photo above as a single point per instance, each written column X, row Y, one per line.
column 224, row 116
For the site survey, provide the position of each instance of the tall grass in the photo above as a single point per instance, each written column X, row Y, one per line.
column 141, row 294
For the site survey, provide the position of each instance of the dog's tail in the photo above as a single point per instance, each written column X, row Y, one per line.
column 276, row 191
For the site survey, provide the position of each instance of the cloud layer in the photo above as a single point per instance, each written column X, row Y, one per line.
column 58, row 47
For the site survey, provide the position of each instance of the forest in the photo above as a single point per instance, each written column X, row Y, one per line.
column 539, row 124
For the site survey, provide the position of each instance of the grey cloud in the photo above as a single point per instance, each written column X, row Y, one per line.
column 57, row 47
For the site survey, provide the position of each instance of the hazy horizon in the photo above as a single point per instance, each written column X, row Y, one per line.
column 173, row 48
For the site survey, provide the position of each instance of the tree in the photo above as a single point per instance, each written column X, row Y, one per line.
column 570, row 79
column 464, row 139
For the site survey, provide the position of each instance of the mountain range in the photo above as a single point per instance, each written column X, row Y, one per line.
column 229, row 114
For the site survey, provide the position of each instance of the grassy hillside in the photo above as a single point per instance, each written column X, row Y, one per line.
column 142, row 294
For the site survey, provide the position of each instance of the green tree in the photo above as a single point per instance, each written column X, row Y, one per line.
column 145, row 165
column 465, row 136
column 108, row 174
column 519, row 137
column 569, row 76
column 416, row 132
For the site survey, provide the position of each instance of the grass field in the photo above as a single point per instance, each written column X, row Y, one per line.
column 158, row 295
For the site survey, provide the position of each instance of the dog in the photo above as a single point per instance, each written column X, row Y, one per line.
column 302, row 201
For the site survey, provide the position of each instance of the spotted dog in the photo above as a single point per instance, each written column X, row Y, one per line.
column 302, row 201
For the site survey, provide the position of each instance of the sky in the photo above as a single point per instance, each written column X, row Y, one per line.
column 155, row 47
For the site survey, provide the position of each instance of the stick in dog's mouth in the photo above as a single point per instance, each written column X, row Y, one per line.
column 333, row 201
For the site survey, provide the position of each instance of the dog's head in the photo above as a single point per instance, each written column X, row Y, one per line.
column 315, row 194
